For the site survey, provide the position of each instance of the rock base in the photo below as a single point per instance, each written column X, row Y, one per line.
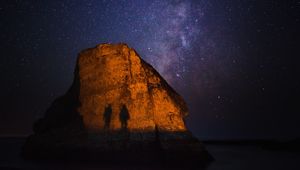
column 159, row 148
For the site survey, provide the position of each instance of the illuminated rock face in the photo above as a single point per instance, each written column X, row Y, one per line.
column 118, row 108
column 115, row 76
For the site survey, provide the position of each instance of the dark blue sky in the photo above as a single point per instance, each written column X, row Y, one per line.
column 234, row 62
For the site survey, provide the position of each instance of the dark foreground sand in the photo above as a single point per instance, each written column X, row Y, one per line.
column 227, row 156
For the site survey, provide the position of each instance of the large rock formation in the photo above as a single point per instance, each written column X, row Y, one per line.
column 117, row 103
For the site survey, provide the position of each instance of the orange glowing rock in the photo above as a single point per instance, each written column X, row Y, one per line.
column 117, row 103
column 115, row 75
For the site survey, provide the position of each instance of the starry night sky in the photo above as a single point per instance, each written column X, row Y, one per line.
column 234, row 61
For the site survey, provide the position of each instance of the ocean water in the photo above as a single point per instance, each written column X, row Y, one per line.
column 227, row 157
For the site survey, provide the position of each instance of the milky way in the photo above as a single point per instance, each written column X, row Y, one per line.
column 173, row 31
column 185, row 46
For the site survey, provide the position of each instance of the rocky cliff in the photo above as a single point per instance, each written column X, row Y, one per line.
column 117, row 102
column 115, row 76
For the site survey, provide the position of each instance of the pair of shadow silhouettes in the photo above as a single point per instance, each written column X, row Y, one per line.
column 123, row 117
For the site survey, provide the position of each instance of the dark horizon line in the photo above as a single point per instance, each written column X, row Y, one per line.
column 215, row 140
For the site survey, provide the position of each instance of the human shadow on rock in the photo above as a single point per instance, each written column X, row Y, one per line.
column 124, row 117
